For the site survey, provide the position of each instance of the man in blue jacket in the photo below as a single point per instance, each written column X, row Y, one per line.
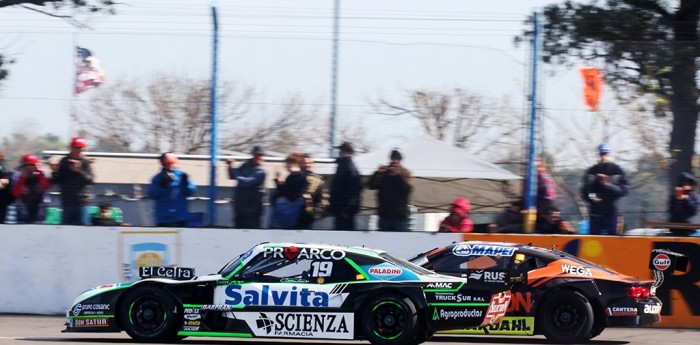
column 603, row 185
column 169, row 190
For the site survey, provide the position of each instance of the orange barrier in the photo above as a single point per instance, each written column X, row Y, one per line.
column 680, row 291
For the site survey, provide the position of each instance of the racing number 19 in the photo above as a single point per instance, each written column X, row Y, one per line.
column 321, row 269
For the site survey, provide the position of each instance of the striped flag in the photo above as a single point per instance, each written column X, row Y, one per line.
column 89, row 73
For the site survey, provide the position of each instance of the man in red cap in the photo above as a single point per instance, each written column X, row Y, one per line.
column 73, row 175
column 169, row 190
column 30, row 188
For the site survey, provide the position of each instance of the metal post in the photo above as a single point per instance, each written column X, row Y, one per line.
column 530, row 197
column 214, row 118
column 334, row 77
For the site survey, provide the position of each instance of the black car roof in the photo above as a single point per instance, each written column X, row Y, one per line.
column 525, row 248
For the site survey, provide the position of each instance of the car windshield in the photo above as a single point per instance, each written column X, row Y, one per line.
column 233, row 264
column 405, row 264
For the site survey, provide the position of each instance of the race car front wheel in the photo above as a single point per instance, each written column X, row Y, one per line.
column 390, row 319
column 565, row 317
column 149, row 314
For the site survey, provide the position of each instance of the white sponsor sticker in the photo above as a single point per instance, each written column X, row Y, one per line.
column 576, row 270
column 385, row 271
column 299, row 325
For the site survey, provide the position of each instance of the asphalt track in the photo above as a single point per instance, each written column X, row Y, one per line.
column 46, row 330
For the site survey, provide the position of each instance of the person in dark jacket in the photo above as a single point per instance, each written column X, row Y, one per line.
column 458, row 219
column 289, row 201
column 30, row 187
column 6, row 197
column 73, row 175
column 250, row 187
column 393, row 185
column 683, row 203
column 105, row 217
column 346, row 189
column 551, row 222
column 169, row 190
column 603, row 186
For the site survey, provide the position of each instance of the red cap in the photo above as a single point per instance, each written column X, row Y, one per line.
column 78, row 142
column 29, row 159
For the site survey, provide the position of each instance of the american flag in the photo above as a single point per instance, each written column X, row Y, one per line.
column 89, row 73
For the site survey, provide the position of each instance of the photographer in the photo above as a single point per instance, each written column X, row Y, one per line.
column 393, row 185
column 29, row 187
column 169, row 190
column 683, row 202
column 73, row 175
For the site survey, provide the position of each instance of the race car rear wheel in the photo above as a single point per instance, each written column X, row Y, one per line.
column 149, row 314
column 390, row 319
column 565, row 317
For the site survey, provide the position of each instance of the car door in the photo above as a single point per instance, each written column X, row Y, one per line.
column 290, row 292
column 273, row 279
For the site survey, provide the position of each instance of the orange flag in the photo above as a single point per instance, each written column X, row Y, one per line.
column 593, row 86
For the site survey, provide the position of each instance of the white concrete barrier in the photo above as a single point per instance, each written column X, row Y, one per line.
column 44, row 267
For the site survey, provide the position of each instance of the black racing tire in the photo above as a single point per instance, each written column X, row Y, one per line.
column 565, row 317
column 390, row 319
column 595, row 331
column 150, row 314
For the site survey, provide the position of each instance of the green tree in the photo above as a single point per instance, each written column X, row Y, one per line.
column 645, row 47
column 68, row 10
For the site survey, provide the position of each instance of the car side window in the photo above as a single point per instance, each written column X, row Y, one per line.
column 301, row 270
column 448, row 263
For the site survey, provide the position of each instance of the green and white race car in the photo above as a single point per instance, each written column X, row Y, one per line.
column 291, row 290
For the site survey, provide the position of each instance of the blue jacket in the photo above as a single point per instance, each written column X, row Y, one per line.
column 171, row 201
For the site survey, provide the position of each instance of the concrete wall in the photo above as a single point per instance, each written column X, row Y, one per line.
column 43, row 268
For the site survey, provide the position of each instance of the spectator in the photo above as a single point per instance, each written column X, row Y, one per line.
column 546, row 188
column 510, row 220
column 73, row 175
column 313, row 195
column 288, row 200
column 6, row 197
column 683, row 203
column 169, row 190
column 105, row 217
column 30, row 187
column 248, row 194
column 552, row 223
column 603, row 185
column 346, row 189
column 393, row 185
column 458, row 219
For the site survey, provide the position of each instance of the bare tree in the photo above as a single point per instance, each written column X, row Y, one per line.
column 467, row 119
column 635, row 130
column 172, row 114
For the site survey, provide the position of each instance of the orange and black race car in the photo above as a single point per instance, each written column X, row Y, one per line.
column 556, row 294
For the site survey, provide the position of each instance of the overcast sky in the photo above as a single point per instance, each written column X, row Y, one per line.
column 283, row 48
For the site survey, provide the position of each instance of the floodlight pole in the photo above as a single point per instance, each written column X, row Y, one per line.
column 334, row 77
column 530, row 197
column 214, row 105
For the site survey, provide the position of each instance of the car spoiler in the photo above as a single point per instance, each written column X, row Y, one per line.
column 664, row 260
